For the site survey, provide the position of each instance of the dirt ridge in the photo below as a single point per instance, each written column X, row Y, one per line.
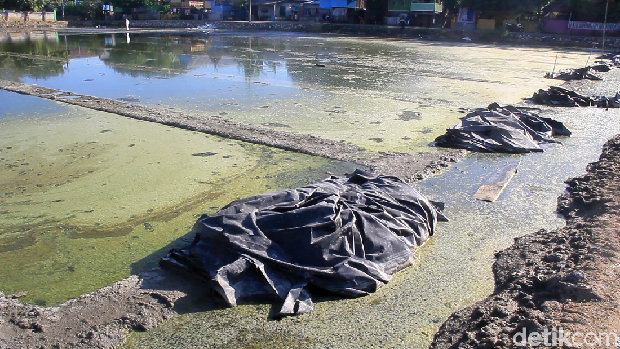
column 409, row 167
column 555, row 283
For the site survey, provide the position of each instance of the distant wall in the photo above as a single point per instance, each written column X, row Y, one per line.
column 464, row 26
column 10, row 16
column 591, row 28
column 557, row 26
column 485, row 24
column 594, row 26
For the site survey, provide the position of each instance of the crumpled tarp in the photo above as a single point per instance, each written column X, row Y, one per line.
column 502, row 130
column 343, row 235
column 561, row 97
column 579, row 73
column 612, row 57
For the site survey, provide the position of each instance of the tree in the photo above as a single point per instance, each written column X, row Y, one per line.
column 129, row 4
column 450, row 9
column 593, row 10
column 376, row 11
column 29, row 5
column 88, row 9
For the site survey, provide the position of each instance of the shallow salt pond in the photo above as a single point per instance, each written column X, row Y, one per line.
column 87, row 197
column 384, row 95
column 453, row 269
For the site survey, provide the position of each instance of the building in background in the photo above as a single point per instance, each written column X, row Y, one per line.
column 419, row 13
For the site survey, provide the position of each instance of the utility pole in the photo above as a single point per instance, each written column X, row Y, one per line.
column 605, row 23
column 250, row 11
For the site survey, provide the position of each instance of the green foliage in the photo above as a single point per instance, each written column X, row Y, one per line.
column 29, row 5
column 593, row 10
column 88, row 9
column 129, row 4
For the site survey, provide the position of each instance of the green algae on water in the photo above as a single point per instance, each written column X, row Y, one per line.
column 83, row 208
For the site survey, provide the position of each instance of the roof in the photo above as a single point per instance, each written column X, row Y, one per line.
column 269, row 2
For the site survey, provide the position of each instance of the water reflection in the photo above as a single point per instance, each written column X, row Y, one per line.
column 136, row 55
column 351, row 89
column 147, row 55
column 16, row 51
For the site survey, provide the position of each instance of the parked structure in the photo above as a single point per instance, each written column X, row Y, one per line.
column 419, row 13
column 277, row 10
column 466, row 19
column 342, row 10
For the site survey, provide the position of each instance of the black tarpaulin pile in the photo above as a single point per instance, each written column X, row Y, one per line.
column 343, row 235
column 558, row 96
column 589, row 73
column 605, row 63
column 502, row 130
column 561, row 97
column 612, row 57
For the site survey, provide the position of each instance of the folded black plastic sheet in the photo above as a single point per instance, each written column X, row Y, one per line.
column 589, row 73
column 343, row 235
column 502, row 130
column 561, row 97
column 558, row 96
column 612, row 57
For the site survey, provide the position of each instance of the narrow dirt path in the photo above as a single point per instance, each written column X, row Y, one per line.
column 409, row 167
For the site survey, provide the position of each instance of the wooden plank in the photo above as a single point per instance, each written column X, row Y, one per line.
column 494, row 186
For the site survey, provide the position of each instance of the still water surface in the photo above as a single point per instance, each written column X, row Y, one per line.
column 383, row 95
column 88, row 197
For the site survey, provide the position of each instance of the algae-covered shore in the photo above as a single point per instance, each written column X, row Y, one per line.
column 556, row 288
column 387, row 319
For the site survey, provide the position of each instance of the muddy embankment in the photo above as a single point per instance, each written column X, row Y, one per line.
column 549, row 282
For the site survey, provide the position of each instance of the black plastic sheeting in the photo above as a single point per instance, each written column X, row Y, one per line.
column 589, row 73
column 604, row 64
column 343, row 235
column 561, row 97
column 612, row 57
column 502, row 130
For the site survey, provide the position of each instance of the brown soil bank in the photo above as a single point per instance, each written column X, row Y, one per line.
column 555, row 288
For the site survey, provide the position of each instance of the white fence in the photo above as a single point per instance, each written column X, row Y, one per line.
column 593, row 26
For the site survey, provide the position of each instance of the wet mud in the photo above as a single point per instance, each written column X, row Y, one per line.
column 550, row 280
